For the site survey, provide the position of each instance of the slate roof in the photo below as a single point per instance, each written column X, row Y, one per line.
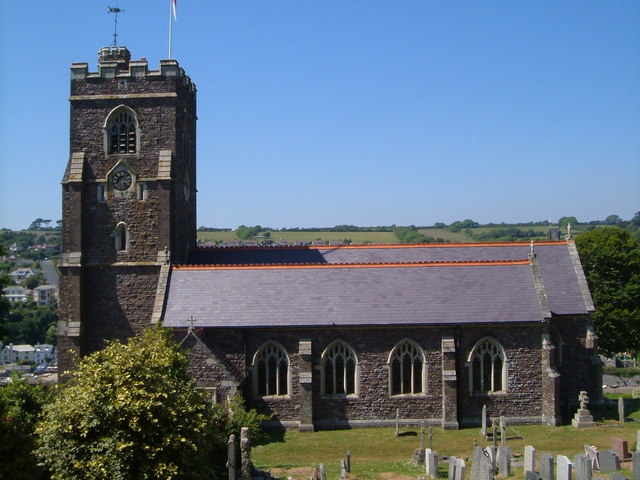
column 374, row 285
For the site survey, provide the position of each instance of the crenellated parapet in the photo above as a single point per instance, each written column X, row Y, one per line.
column 115, row 62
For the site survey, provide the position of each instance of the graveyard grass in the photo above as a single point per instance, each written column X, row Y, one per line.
column 376, row 453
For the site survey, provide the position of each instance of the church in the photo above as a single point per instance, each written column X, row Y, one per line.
column 316, row 336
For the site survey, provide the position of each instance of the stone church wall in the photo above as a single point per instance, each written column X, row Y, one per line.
column 373, row 405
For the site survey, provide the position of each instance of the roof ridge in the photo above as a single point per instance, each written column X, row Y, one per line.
column 268, row 266
column 390, row 246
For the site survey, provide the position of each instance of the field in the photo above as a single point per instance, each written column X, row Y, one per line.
column 376, row 453
column 367, row 237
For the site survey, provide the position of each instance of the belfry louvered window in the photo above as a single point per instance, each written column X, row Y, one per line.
column 339, row 369
column 488, row 367
column 407, row 369
column 122, row 132
column 271, row 366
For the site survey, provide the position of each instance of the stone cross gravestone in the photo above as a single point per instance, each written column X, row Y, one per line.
column 609, row 461
column 582, row 466
column 583, row 417
column 563, row 468
column 529, row 459
column 546, row 466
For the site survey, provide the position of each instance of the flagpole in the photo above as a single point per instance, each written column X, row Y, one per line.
column 170, row 25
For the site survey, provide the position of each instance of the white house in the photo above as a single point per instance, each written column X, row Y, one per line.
column 45, row 294
column 16, row 293
column 27, row 353
column 21, row 274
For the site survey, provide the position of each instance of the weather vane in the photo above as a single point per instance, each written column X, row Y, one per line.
column 115, row 10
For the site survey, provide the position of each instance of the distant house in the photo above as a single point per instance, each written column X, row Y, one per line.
column 16, row 293
column 45, row 294
column 21, row 274
column 37, row 354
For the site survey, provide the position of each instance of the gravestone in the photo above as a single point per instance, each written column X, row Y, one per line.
column 636, row 465
column 546, row 466
column 491, row 453
column 453, row 463
column 563, row 468
column 232, row 463
column 245, row 453
column 481, row 468
column 504, row 461
column 431, row 463
column 343, row 470
column 529, row 459
column 609, row 461
column 592, row 453
column 617, row 476
column 638, row 441
column 620, row 447
column 582, row 466
column 503, row 431
column 323, row 473
column 583, row 417
column 348, row 461
column 483, row 430
column 532, row 476
column 621, row 409
column 461, row 467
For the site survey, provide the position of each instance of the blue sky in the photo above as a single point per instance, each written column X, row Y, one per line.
column 365, row 112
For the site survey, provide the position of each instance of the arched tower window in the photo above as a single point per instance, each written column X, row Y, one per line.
column 339, row 369
column 271, row 368
column 407, row 369
column 121, row 131
column 488, row 372
column 121, row 236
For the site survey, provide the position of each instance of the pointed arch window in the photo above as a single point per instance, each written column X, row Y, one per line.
column 488, row 367
column 407, row 369
column 271, row 368
column 339, row 370
column 121, row 131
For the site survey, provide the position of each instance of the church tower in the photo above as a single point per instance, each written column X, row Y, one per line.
column 129, row 206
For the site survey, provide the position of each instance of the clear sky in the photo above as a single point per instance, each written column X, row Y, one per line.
column 365, row 112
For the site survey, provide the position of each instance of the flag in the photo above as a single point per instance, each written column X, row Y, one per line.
column 173, row 8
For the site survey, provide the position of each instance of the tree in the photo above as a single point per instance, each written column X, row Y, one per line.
column 610, row 257
column 20, row 406
column 612, row 220
column 564, row 221
column 131, row 412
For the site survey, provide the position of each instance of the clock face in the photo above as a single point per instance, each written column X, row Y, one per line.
column 121, row 180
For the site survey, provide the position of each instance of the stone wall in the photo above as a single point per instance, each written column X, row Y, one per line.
column 522, row 402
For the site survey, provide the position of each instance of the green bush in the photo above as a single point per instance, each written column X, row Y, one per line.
column 21, row 405
column 131, row 412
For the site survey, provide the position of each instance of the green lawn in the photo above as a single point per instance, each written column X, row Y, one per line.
column 378, row 453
